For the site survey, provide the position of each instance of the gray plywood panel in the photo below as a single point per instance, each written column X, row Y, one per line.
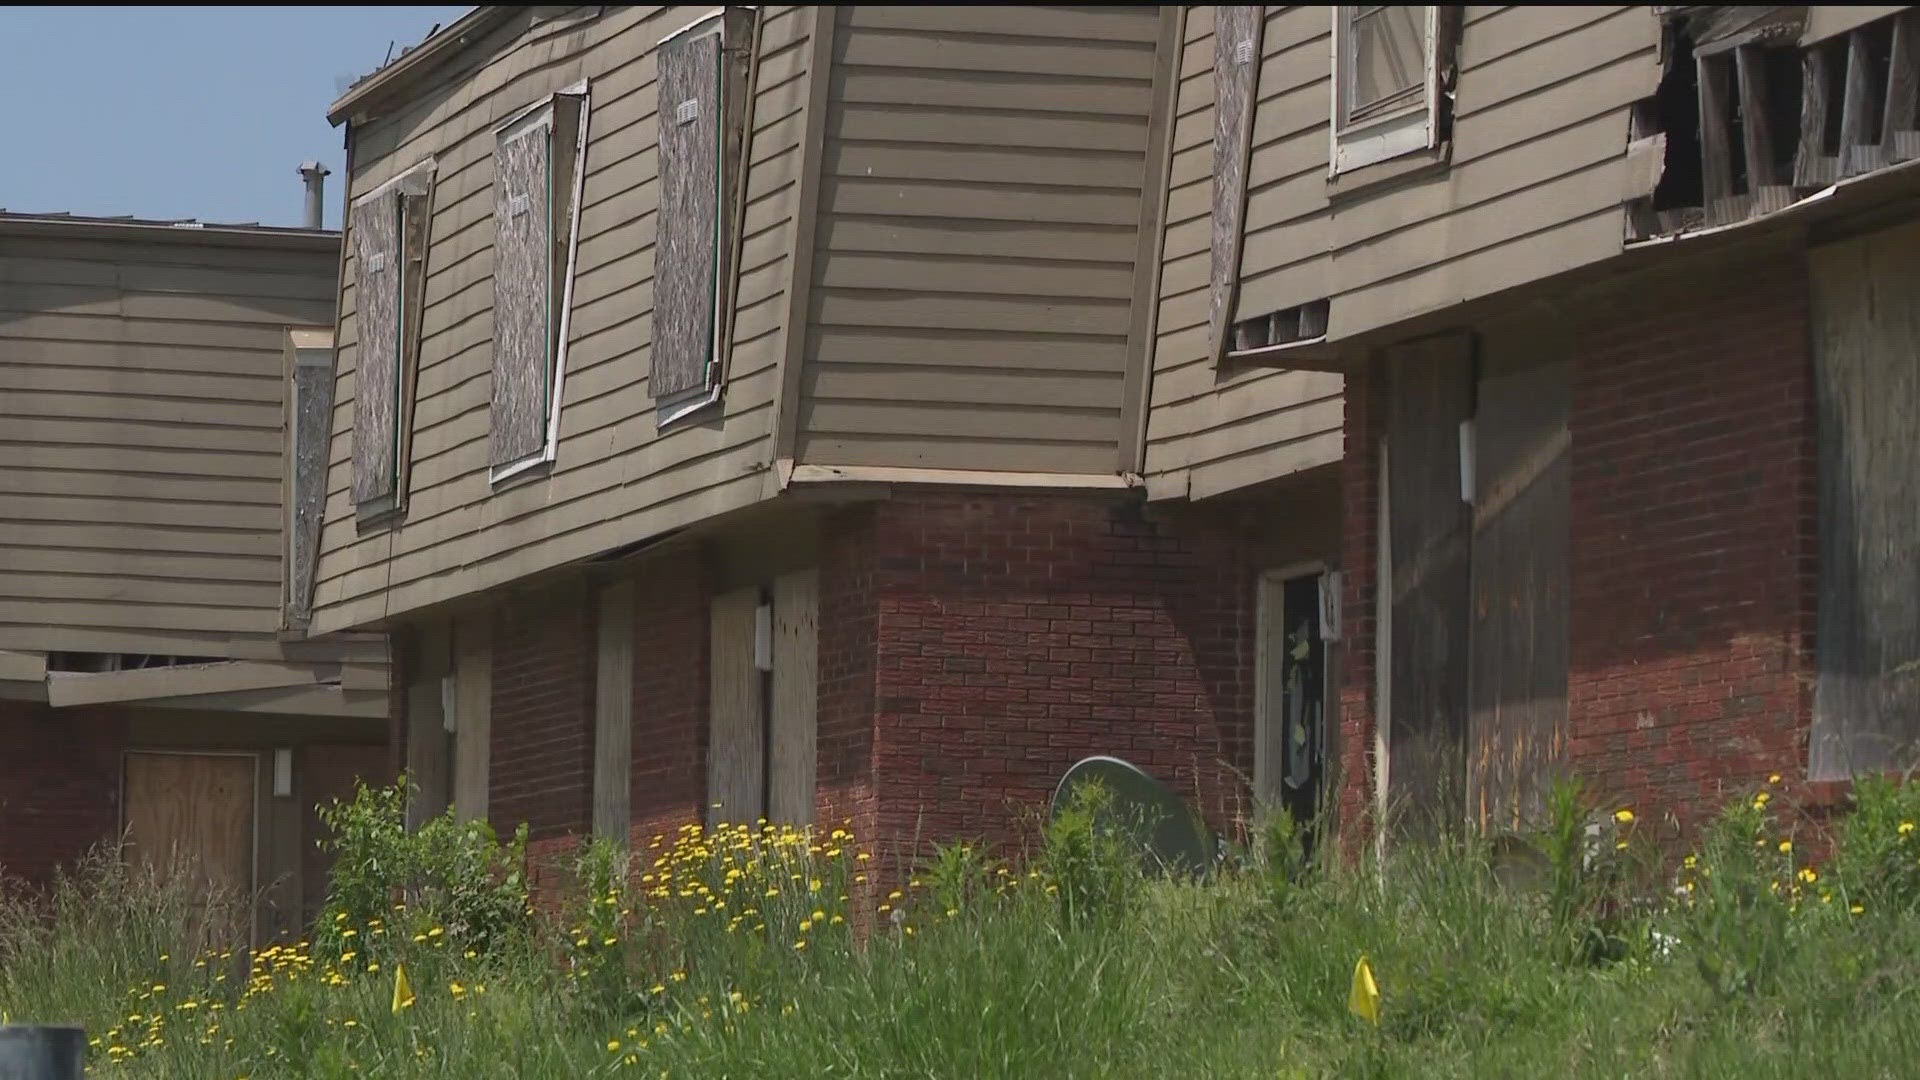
column 311, row 437
column 522, row 297
column 1236, row 72
column 1518, row 726
column 1429, row 393
column 736, row 744
column 687, row 246
column 376, row 258
column 793, row 722
column 1866, row 335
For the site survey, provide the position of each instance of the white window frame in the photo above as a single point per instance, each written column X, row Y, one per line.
column 537, row 116
column 1417, row 127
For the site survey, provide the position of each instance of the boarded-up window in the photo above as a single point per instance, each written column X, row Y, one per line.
column 1866, row 706
column 310, row 431
column 701, row 101
column 761, row 755
column 390, row 234
column 1391, row 62
column 537, row 167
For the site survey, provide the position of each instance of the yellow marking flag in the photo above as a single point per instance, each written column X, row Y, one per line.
column 402, row 992
column 1364, row 999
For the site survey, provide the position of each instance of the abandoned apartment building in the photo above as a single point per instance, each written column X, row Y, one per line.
column 822, row 413
column 146, row 686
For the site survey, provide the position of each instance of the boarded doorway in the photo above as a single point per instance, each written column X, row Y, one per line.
column 194, row 813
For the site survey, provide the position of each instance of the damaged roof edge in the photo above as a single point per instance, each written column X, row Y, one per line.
column 418, row 59
column 170, row 231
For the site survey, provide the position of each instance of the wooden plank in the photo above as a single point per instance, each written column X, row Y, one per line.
column 1119, row 24
column 613, row 713
column 793, row 722
column 1812, row 166
column 1764, row 182
column 1517, row 726
column 1826, row 21
column 523, row 313
column 376, row 231
column 736, row 746
column 1037, row 454
column 22, row 666
column 473, row 714
column 1899, row 127
column 1858, row 149
column 1866, row 705
column 309, row 422
column 69, row 688
column 687, row 252
column 1236, row 73
column 1429, row 393
column 1716, row 155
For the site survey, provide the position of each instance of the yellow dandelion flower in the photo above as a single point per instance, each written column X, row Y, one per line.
column 1774, row 779
column 1856, row 909
column 800, row 945
column 613, row 1045
column 1786, row 846
column 1761, row 799
column 1906, row 828
column 1808, row 875
column 1623, row 815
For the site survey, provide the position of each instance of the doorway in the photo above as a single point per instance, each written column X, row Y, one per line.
column 193, row 813
column 1290, row 740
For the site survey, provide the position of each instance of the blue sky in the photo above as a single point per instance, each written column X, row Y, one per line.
column 172, row 112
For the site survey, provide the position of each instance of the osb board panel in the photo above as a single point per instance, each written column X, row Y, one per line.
column 193, row 813
column 522, row 304
column 1865, row 335
column 686, row 250
column 614, row 478
column 736, row 745
column 1236, row 71
column 376, row 239
column 793, row 721
column 1429, row 392
column 1517, row 730
column 312, row 420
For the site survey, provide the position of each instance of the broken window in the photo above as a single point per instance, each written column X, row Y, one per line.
column 538, row 164
column 701, row 109
column 389, row 229
column 1391, row 62
column 310, row 435
column 1759, row 107
column 1293, row 326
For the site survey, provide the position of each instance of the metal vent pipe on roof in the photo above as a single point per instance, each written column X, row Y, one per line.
column 315, row 174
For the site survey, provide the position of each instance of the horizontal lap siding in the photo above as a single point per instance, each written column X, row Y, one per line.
column 615, row 479
column 1533, row 187
column 974, row 259
column 142, row 389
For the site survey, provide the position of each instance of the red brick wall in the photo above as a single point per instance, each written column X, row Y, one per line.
column 1015, row 634
column 59, row 787
column 848, row 637
column 670, row 641
column 1693, row 545
column 1692, row 549
column 542, row 744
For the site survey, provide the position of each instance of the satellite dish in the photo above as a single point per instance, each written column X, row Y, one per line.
column 1168, row 833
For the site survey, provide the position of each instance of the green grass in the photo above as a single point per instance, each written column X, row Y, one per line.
column 1077, row 966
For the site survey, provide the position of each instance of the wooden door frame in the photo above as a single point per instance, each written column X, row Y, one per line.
column 253, row 834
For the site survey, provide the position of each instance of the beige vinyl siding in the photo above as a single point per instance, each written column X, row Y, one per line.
column 1533, row 187
column 978, row 225
column 142, row 390
column 615, row 478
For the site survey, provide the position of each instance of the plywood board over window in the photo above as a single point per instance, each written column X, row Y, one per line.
column 701, row 108
column 1236, row 77
column 310, row 428
column 538, row 168
column 389, row 229
column 1866, row 706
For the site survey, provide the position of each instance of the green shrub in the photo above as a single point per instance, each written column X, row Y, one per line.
column 1878, row 846
column 1091, row 864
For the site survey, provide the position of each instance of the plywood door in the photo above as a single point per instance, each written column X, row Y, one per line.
column 1430, row 393
column 793, row 757
column 736, row 747
column 1517, row 728
column 193, row 813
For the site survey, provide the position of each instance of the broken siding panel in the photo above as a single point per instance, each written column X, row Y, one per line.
column 614, row 479
column 974, row 243
column 142, row 465
column 1868, row 634
column 522, row 300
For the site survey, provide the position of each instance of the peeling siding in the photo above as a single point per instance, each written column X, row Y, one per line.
column 1533, row 187
column 615, row 479
column 978, row 232
column 142, row 418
